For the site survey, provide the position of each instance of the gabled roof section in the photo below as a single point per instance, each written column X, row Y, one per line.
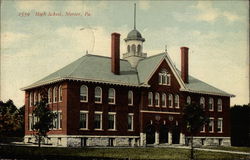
column 92, row 68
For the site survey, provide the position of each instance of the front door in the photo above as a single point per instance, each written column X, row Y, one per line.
column 176, row 135
column 163, row 134
column 150, row 134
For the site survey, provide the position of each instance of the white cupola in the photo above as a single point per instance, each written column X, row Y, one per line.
column 134, row 43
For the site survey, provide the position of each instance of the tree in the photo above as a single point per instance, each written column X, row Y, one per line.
column 193, row 118
column 240, row 128
column 44, row 119
column 11, row 119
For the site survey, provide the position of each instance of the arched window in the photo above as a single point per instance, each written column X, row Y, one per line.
column 157, row 99
column 98, row 95
column 60, row 93
column 164, row 78
column 176, row 101
column 164, row 100
column 128, row 48
column 219, row 105
column 35, row 98
column 211, row 104
column 150, row 99
column 111, row 96
column 39, row 97
column 170, row 100
column 55, row 94
column 49, row 95
column 84, row 93
column 31, row 99
column 139, row 48
column 133, row 48
column 188, row 100
column 130, row 98
column 202, row 102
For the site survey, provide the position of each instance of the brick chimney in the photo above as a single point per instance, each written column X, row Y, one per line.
column 184, row 64
column 115, row 53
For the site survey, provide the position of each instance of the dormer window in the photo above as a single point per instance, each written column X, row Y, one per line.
column 164, row 78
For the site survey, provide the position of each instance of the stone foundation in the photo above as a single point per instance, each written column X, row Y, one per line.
column 210, row 141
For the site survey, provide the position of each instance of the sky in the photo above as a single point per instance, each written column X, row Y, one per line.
column 39, row 37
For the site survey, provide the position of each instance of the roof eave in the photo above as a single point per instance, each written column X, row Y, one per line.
column 210, row 93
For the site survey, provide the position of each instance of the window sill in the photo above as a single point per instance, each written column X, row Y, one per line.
column 98, row 102
column 131, row 130
column 111, row 103
column 157, row 106
column 112, row 130
column 98, row 129
column 83, row 101
column 83, row 129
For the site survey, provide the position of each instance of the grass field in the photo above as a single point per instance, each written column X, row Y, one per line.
column 114, row 153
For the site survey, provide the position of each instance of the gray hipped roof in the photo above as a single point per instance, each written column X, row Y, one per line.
column 98, row 69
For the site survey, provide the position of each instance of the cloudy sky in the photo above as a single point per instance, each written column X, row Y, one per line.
column 34, row 46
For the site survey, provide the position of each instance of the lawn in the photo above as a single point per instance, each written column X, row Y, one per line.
column 114, row 153
column 232, row 148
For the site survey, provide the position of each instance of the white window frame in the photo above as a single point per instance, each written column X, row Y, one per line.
column 97, row 96
column 220, row 119
column 132, row 98
column 219, row 105
column 87, row 119
column 31, row 99
column 59, row 118
column 54, row 94
column 60, row 93
column 100, row 113
column 30, row 119
column 164, row 100
column 189, row 100
column 132, row 121
column 203, row 103
column 39, row 97
column 84, row 94
column 170, row 98
column 211, row 104
column 55, row 121
column 150, row 99
column 110, row 97
column 114, row 114
column 49, row 96
column 157, row 99
column 177, row 101
column 164, row 75
column 35, row 98
column 211, row 119
column 203, row 129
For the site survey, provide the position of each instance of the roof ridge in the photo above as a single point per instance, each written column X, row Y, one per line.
column 95, row 55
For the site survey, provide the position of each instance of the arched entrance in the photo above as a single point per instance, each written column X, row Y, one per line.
column 163, row 134
column 150, row 134
column 176, row 135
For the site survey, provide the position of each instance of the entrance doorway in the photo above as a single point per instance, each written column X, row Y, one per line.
column 150, row 134
column 163, row 134
column 176, row 135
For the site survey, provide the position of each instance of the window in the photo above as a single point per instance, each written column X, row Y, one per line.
column 35, row 98
column 176, row 101
column 164, row 100
column 133, row 48
column 98, row 95
column 157, row 99
column 164, row 78
column 111, row 96
column 211, row 125
column 55, row 94
column 39, row 96
column 130, row 121
column 111, row 121
column 55, row 121
column 211, row 104
column 203, row 129
column 60, row 93
column 98, row 121
column 49, row 96
column 30, row 122
column 31, row 99
column 128, row 48
column 219, row 105
column 84, row 93
column 139, row 48
column 202, row 102
column 83, row 119
column 130, row 98
column 59, row 114
column 170, row 100
column 219, row 125
column 188, row 100
column 150, row 99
